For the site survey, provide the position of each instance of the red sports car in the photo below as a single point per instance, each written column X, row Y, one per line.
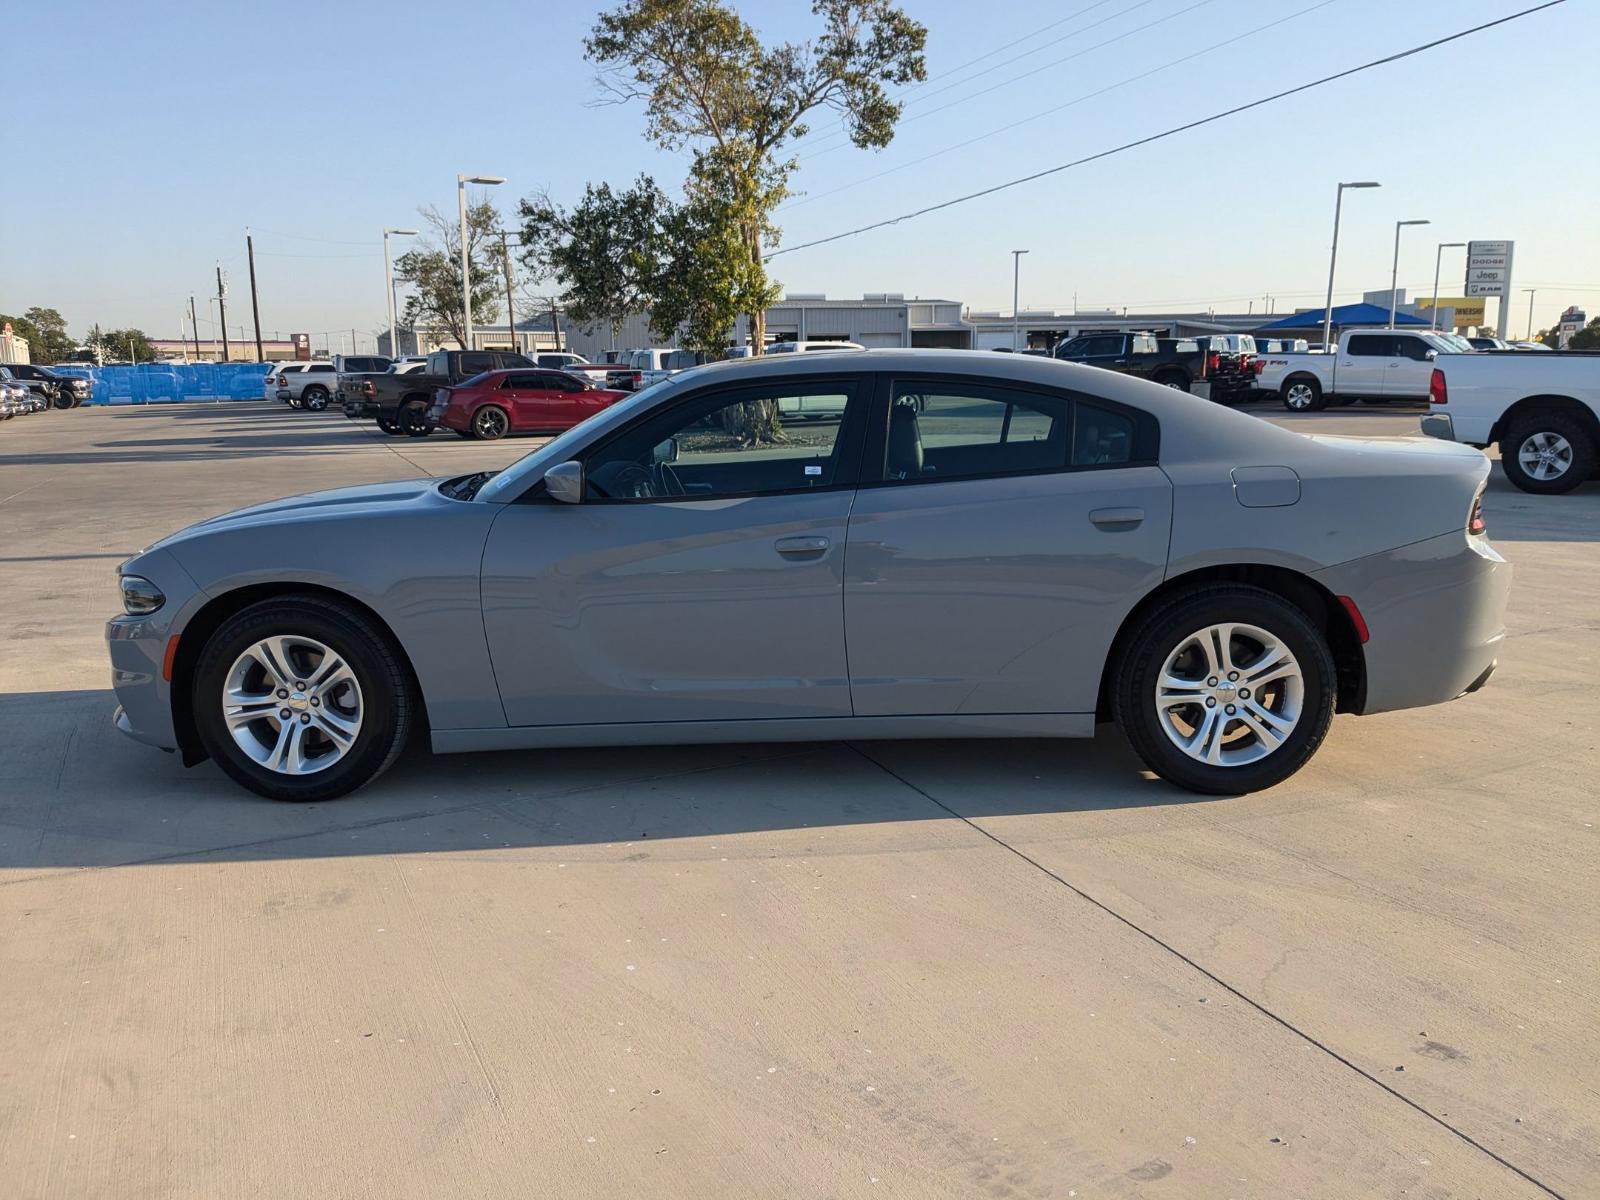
column 518, row 400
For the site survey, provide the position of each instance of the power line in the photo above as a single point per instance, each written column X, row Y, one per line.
column 1057, row 108
column 1026, row 74
column 1177, row 129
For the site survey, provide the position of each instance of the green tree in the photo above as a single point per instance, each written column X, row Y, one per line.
column 46, row 332
column 602, row 254
column 708, row 82
column 1587, row 338
column 434, row 271
column 122, row 345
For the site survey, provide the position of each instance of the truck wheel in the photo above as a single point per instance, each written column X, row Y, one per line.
column 1178, row 383
column 315, row 398
column 414, row 419
column 1547, row 453
column 1302, row 394
column 388, row 426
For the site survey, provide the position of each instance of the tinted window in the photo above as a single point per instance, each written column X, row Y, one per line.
column 320, row 368
column 1100, row 437
column 1411, row 347
column 701, row 448
column 958, row 431
column 523, row 383
column 829, row 346
column 1371, row 345
column 555, row 381
column 473, row 363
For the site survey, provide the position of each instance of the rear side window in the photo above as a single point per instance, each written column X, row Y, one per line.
column 1100, row 436
column 1371, row 345
column 961, row 431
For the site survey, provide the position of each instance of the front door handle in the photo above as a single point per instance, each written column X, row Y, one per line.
column 1117, row 518
column 802, row 547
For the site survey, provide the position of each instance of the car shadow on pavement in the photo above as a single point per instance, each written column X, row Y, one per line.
column 79, row 794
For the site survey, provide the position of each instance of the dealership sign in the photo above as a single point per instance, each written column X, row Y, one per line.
column 1489, row 268
column 1467, row 312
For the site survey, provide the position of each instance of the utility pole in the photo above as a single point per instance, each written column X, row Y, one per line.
column 194, row 326
column 222, row 313
column 511, row 311
column 255, row 308
column 1016, row 317
column 555, row 324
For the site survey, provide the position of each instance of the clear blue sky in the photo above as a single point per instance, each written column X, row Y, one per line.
column 318, row 124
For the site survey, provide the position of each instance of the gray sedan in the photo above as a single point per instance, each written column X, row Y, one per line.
column 969, row 545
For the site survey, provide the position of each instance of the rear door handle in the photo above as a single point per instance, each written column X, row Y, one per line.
column 801, row 547
column 1117, row 518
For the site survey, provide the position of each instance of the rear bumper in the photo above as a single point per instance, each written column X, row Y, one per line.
column 1436, row 615
column 1439, row 425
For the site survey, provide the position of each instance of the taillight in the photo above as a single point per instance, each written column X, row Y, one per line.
column 283, row 381
column 1213, row 361
column 368, row 388
column 1438, row 393
column 1259, row 365
column 1475, row 522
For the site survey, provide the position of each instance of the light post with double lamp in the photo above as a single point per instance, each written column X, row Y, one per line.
column 1333, row 258
column 1394, row 274
column 1530, row 292
column 1433, row 312
column 388, row 278
column 1016, row 318
column 466, row 269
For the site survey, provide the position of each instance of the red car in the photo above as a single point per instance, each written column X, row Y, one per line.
column 495, row 403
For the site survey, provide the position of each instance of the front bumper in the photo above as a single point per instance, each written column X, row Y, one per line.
column 137, row 647
column 1435, row 611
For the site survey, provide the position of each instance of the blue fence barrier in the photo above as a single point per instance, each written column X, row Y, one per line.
column 166, row 383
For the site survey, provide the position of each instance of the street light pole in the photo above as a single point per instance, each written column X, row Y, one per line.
column 1394, row 274
column 1333, row 258
column 1016, row 319
column 388, row 278
column 1530, row 292
column 466, row 268
column 1433, row 312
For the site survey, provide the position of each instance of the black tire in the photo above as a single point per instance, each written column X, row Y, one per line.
column 61, row 401
column 1579, row 455
column 490, row 423
column 1175, row 380
column 1163, row 630
column 1302, row 393
column 388, row 426
column 314, row 398
column 389, row 706
column 413, row 418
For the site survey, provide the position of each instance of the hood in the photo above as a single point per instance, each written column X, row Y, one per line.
column 338, row 502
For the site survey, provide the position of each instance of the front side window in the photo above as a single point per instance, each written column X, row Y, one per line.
column 754, row 441
column 520, row 383
column 1410, row 347
column 475, row 363
column 959, row 431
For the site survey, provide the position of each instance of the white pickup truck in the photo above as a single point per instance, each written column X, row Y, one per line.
column 1370, row 364
column 1543, row 410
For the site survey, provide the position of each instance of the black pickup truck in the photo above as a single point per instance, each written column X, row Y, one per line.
column 1180, row 363
column 400, row 402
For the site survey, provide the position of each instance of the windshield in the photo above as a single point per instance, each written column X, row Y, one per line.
column 505, row 486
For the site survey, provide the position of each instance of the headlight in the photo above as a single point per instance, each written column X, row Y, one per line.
column 140, row 597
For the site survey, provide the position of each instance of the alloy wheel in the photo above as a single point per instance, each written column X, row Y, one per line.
column 1229, row 694
column 1299, row 396
column 1545, row 455
column 490, row 423
column 292, row 704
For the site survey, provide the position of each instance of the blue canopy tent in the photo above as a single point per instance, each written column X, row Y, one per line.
column 1345, row 316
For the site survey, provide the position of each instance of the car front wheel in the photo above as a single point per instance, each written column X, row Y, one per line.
column 315, row 398
column 1225, row 689
column 1302, row 395
column 301, row 698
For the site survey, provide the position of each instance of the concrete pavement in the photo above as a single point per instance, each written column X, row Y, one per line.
column 910, row 969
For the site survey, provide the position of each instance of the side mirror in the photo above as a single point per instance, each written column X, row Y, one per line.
column 564, row 482
column 665, row 452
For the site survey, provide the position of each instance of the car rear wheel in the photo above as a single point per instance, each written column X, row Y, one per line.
column 1178, row 383
column 315, row 398
column 490, row 424
column 301, row 698
column 1225, row 689
column 1302, row 395
column 388, row 426
column 413, row 419
column 1547, row 454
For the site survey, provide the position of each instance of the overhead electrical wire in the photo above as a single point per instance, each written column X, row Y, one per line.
column 842, row 130
column 1239, row 37
column 1172, row 132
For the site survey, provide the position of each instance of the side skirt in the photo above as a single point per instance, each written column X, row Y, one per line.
column 779, row 729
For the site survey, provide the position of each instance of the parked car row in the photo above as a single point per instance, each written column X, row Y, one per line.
column 1221, row 368
column 31, row 388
